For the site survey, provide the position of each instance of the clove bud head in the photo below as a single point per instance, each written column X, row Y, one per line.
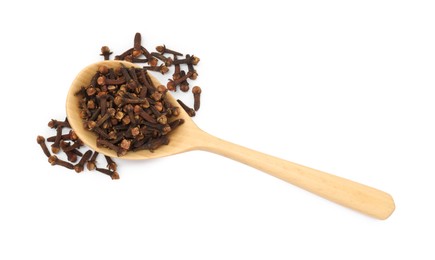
column 40, row 139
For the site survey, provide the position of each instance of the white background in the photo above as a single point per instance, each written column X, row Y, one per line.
column 340, row 86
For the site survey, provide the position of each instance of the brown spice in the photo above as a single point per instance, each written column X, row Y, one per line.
column 196, row 97
column 41, row 141
column 111, row 165
column 55, row 123
column 167, row 60
column 53, row 160
column 80, row 165
column 91, row 165
column 105, row 52
column 188, row 110
column 184, row 85
column 174, row 83
column 136, row 116
column 71, row 151
column 142, row 117
column 162, row 49
column 162, row 68
column 71, row 155
column 55, row 147
column 113, row 174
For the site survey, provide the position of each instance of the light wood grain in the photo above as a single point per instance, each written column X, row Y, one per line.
column 359, row 197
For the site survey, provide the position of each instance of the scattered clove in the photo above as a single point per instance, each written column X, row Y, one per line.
column 105, row 52
column 80, row 165
column 190, row 111
column 178, row 78
column 113, row 174
column 196, row 97
column 55, row 147
column 111, row 165
column 71, row 151
column 41, row 141
column 71, row 155
column 92, row 163
column 53, row 160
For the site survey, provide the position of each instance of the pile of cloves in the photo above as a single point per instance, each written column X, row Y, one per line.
column 70, row 145
column 180, row 78
column 126, row 111
column 114, row 107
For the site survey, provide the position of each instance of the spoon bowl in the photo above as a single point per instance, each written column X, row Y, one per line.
column 179, row 142
column 188, row 136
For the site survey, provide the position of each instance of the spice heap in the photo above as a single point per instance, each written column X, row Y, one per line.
column 180, row 78
column 126, row 111
column 70, row 144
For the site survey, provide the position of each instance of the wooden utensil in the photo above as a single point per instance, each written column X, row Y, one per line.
column 189, row 137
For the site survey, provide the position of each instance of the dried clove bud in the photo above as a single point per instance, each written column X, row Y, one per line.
column 41, row 141
column 113, row 174
column 111, row 165
column 80, row 165
column 188, row 110
column 105, row 52
column 91, row 165
column 196, row 97
column 53, row 160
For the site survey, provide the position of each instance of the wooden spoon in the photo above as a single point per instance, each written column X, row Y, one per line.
column 189, row 137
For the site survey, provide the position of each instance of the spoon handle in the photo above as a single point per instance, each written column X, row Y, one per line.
column 359, row 197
